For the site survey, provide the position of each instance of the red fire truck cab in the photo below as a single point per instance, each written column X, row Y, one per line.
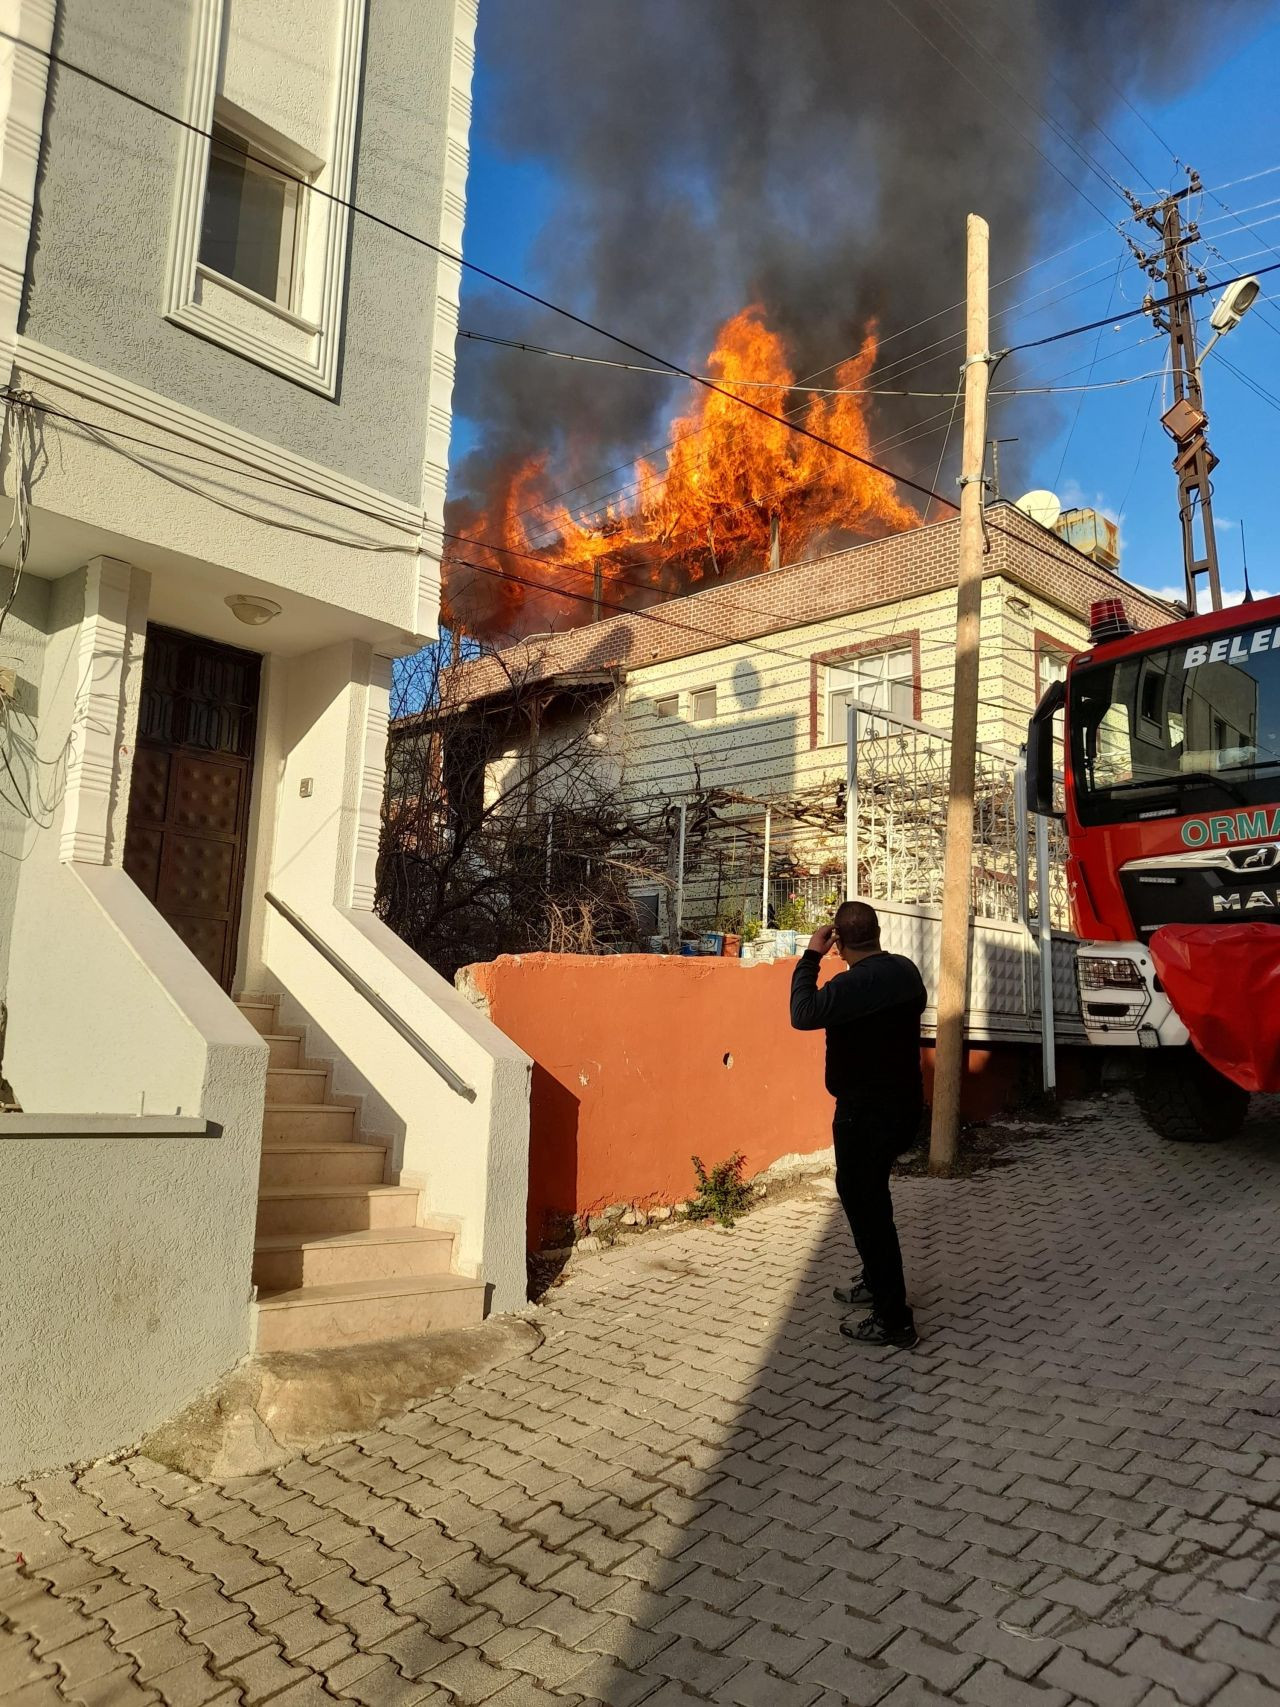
column 1170, row 754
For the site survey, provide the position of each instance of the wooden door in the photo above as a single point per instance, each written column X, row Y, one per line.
column 188, row 820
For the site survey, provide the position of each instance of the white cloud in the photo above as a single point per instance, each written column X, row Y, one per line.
column 1177, row 595
column 1174, row 594
column 1237, row 598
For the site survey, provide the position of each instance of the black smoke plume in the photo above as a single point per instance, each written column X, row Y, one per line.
column 815, row 156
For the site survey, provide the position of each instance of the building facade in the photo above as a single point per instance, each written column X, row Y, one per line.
column 227, row 317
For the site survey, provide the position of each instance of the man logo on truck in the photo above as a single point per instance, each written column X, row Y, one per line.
column 1238, row 903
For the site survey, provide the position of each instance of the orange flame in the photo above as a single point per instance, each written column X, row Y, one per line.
column 732, row 476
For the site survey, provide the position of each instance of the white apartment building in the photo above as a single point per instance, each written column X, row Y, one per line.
column 247, row 1115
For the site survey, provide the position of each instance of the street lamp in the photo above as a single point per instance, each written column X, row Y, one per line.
column 1230, row 309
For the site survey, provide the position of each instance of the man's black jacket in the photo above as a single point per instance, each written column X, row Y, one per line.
column 871, row 1015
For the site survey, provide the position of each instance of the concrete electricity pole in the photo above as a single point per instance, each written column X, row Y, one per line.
column 953, row 981
column 1185, row 420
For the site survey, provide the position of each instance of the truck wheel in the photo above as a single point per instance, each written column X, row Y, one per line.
column 1187, row 1101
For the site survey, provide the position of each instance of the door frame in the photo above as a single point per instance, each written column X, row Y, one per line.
column 247, row 762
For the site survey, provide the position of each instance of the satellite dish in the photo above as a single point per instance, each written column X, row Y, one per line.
column 1043, row 507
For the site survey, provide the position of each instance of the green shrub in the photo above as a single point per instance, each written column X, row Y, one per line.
column 723, row 1194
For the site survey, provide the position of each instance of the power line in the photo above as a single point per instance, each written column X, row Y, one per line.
column 718, row 638
column 921, row 430
column 55, row 58
column 666, row 373
column 771, row 384
column 1258, row 389
column 1107, row 177
column 1097, row 346
column 1051, row 163
column 898, row 368
column 894, row 369
column 1142, row 442
column 1133, row 313
column 885, row 443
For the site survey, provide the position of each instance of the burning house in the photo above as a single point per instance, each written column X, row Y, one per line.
column 726, row 711
column 732, row 490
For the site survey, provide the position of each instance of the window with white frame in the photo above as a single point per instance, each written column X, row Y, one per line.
column 1051, row 666
column 257, row 261
column 703, row 705
column 253, row 218
column 667, row 706
column 884, row 680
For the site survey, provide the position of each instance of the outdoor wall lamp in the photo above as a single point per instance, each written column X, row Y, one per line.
column 252, row 610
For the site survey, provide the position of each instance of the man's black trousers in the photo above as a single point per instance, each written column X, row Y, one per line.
column 868, row 1139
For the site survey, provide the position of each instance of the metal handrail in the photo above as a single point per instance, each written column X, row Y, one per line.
column 380, row 1006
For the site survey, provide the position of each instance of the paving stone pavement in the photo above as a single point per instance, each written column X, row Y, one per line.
column 696, row 1490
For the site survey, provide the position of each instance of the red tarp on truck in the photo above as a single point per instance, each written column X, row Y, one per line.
column 1224, row 983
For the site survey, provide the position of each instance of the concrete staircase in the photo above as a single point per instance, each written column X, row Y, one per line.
column 339, row 1257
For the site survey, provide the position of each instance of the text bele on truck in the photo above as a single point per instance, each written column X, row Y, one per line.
column 1170, row 752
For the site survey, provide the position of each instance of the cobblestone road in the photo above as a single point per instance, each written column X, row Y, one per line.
column 696, row 1490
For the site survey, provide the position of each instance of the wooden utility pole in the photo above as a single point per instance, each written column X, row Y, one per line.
column 953, row 980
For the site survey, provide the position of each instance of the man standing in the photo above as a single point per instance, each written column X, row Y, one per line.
column 871, row 1015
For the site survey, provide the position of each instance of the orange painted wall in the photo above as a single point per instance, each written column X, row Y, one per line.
column 642, row 1061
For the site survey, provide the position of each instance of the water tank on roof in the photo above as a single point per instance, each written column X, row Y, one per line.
column 1097, row 536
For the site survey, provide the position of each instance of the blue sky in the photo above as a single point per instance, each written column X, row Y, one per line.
column 1106, row 448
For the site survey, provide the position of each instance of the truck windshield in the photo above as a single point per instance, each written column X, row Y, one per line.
column 1177, row 730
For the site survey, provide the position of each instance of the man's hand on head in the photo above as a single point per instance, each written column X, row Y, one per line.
column 823, row 939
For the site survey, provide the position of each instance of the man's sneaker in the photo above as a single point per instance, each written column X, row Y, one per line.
column 857, row 1292
column 872, row 1331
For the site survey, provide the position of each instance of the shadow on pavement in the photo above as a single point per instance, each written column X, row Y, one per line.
column 695, row 1489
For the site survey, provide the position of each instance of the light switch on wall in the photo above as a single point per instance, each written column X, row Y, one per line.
column 304, row 787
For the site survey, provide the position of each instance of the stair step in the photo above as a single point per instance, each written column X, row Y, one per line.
column 260, row 1015
column 355, row 1312
column 283, row 1261
column 314, row 1163
column 317, row 1121
column 289, row 1086
column 282, row 1051
column 316, row 1210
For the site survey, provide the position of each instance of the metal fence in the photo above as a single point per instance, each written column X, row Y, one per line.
column 875, row 828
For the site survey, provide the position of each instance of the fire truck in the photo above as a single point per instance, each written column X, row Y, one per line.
column 1168, row 747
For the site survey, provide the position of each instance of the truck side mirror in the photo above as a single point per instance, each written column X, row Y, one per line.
column 1040, row 752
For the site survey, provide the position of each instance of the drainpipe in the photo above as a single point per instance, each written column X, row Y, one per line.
column 764, row 886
